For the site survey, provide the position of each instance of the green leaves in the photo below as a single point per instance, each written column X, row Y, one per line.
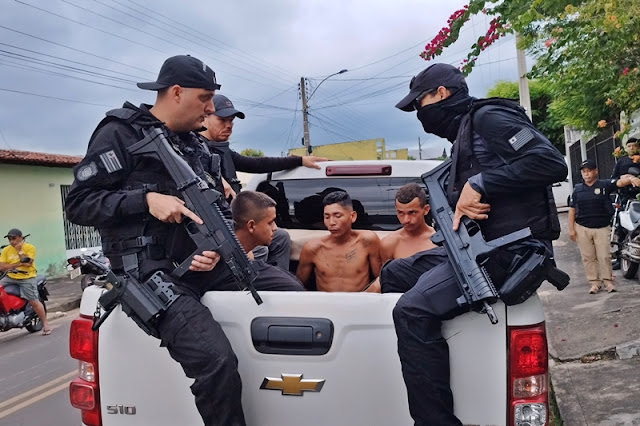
column 587, row 52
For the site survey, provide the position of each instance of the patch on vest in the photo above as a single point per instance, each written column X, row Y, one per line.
column 597, row 191
column 110, row 161
column 87, row 172
column 520, row 139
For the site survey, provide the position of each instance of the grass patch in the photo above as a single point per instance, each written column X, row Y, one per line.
column 554, row 413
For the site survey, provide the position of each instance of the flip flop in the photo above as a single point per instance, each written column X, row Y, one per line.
column 46, row 332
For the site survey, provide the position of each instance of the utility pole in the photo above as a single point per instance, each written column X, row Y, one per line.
column 523, row 83
column 305, row 115
column 419, row 148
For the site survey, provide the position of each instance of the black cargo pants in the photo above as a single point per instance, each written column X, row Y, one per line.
column 430, row 293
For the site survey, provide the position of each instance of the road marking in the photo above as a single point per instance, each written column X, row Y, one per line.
column 41, row 393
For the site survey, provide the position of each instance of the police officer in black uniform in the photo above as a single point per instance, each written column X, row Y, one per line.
column 501, row 175
column 134, row 203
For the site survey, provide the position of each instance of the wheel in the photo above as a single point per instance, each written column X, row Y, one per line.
column 87, row 280
column 36, row 324
column 629, row 268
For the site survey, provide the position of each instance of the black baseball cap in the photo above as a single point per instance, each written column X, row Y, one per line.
column 588, row 164
column 434, row 76
column 14, row 233
column 185, row 71
column 224, row 107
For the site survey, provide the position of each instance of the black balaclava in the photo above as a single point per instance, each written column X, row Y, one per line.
column 443, row 118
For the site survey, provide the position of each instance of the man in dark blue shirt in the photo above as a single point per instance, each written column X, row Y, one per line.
column 590, row 212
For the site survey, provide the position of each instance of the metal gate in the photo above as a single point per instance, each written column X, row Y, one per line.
column 76, row 236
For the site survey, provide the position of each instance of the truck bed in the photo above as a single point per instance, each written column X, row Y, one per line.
column 363, row 382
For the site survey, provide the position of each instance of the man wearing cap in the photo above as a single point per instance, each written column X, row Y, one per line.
column 20, row 256
column 501, row 175
column 623, row 164
column 134, row 203
column 590, row 212
column 219, row 127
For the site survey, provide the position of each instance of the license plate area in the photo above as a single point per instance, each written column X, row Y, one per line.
column 75, row 273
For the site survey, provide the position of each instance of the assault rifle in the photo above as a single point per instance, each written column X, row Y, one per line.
column 466, row 248
column 214, row 234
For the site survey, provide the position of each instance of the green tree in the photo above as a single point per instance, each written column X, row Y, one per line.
column 541, row 97
column 250, row 152
column 411, row 157
column 587, row 52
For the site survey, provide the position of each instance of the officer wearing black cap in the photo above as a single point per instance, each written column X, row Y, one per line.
column 219, row 127
column 590, row 212
column 135, row 205
column 501, row 175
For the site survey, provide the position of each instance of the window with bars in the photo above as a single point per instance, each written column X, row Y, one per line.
column 77, row 236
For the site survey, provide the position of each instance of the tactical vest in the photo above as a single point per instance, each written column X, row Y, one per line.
column 593, row 204
column 228, row 169
column 153, row 240
column 509, row 213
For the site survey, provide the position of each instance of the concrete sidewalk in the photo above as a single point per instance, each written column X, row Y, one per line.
column 594, row 342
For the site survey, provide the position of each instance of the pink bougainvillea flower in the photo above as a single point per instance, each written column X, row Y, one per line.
column 625, row 71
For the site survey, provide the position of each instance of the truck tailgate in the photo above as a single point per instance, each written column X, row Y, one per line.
column 361, row 370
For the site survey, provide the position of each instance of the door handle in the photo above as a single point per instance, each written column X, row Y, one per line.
column 292, row 335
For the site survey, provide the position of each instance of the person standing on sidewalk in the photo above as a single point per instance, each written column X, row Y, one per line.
column 590, row 212
column 20, row 256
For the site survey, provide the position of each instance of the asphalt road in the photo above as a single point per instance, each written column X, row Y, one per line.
column 35, row 372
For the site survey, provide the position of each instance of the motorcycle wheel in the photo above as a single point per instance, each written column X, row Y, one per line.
column 36, row 324
column 629, row 268
column 86, row 281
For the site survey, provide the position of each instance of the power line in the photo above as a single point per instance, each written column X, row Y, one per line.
column 54, row 97
column 74, row 49
column 164, row 39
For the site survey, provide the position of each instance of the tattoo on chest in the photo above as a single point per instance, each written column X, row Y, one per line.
column 350, row 255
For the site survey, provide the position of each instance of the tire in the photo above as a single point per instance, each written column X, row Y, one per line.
column 36, row 324
column 629, row 268
column 86, row 281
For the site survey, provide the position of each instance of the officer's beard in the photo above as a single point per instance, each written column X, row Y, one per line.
column 443, row 118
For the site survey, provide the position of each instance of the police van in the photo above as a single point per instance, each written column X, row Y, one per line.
column 314, row 358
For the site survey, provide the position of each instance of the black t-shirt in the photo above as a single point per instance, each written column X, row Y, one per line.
column 593, row 204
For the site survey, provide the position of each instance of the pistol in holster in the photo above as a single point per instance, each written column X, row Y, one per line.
column 143, row 302
column 526, row 273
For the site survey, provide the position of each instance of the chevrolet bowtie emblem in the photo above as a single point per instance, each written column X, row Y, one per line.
column 292, row 384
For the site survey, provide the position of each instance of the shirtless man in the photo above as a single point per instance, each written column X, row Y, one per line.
column 409, row 250
column 415, row 234
column 343, row 260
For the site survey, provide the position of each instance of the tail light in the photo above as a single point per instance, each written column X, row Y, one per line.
column 84, row 392
column 528, row 401
column 74, row 261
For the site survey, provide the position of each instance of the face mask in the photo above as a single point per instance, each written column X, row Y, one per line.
column 443, row 118
column 439, row 121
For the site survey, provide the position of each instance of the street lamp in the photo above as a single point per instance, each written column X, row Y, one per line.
column 305, row 107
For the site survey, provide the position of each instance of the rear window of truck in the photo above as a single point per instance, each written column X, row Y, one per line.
column 300, row 201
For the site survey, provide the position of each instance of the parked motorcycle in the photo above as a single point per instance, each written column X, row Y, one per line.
column 89, row 265
column 16, row 312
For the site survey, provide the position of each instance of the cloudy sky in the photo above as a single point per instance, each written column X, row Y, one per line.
column 64, row 63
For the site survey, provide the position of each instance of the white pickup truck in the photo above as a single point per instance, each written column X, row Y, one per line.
column 312, row 358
